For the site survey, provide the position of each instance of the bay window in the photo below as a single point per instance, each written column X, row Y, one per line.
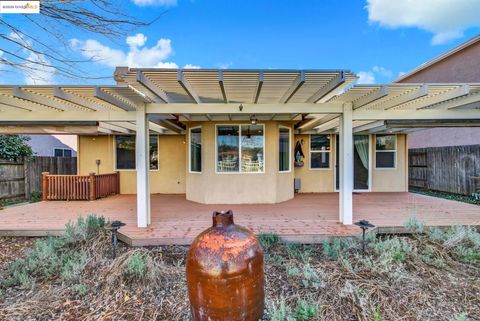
column 125, row 152
column 240, row 149
column 320, row 151
column 385, row 151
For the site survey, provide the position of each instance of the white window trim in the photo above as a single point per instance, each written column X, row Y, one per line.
column 63, row 151
column 289, row 149
column 190, row 150
column 239, row 150
column 115, row 169
column 319, row 151
column 394, row 151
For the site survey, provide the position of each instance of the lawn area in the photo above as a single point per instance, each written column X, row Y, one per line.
column 431, row 275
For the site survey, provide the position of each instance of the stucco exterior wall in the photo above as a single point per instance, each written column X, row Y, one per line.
column 382, row 180
column 239, row 188
column 168, row 179
column 460, row 67
column 315, row 180
column 210, row 187
column 392, row 179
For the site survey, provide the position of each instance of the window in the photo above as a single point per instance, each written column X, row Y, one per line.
column 284, row 150
column 62, row 152
column 196, row 150
column 240, row 149
column 385, row 151
column 319, row 151
column 125, row 152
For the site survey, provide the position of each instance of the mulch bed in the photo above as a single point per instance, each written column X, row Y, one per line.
column 348, row 288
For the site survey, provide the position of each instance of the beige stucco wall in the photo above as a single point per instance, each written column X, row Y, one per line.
column 395, row 179
column 239, row 188
column 168, row 179
column 212, row 188
column 382, row 180
column 315, row 180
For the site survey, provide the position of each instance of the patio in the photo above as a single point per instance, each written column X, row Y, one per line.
column 306, row 218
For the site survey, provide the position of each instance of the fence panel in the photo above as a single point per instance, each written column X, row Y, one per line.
column 453, row 169
column 12, row 179
column 35, row 166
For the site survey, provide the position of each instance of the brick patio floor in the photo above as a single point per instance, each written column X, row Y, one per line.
column 306, row 218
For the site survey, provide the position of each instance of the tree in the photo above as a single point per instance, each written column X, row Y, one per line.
column 25, row 51
column 14, row 146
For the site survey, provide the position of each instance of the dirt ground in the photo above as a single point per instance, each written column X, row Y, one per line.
column 401, row 278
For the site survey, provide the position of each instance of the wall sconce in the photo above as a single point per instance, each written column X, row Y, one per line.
column 253, row 119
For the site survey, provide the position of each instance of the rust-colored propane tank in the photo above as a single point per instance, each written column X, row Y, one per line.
column 225, row 273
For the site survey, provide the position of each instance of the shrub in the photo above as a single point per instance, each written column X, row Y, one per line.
column 414, row 225
column 80, row 289
column 305, row 311
column 280, row 312
column 338, row 247
column 297, row 250
column 460, row 317
column 56, row 256
column 136, row 266
column 84, row 229
column 268, row 240
column 35, row 196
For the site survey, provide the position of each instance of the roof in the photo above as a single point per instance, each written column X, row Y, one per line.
column 313, row 99
column 443, row 56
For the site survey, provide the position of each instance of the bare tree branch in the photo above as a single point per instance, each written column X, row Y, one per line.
column 26, row 51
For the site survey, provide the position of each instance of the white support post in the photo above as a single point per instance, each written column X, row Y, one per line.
column 142, row 152
column 346, row 165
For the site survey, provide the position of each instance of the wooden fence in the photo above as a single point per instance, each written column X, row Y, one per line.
column 453, row 169
column 79, row 187
column 21, row 178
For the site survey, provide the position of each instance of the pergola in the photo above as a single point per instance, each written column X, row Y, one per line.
column 161, row 100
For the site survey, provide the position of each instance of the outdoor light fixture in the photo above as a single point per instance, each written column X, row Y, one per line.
column 253, row 119
column 364, row 225
column 240, row 107
column 114, row 227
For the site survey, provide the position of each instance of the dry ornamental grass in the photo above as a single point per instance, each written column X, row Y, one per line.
column 430, row 276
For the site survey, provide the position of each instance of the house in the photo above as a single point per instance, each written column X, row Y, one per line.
column 462, row 65
column 242, row 136
column 53, row 145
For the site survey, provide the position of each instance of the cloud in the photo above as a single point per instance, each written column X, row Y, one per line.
column 446, row 19
column 365, row 77
column 382, row 71
column 144, row 3
column 190, row 66
column 138, row 56
column 368, row 77
column 224, row 65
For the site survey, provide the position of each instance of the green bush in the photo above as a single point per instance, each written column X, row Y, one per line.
column 35, row 196
column 268, row 240
column 305, row 311
column 14, row 146
column 414, row 225
column 53, row 257
column 136, row 266
column 84, row 229
column 338, row 247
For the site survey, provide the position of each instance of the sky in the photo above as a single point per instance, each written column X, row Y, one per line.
column 377, row 39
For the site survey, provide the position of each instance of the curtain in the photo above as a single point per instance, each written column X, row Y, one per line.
column 361, row 145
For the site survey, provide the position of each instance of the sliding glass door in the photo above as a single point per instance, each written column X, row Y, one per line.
column 361, row 162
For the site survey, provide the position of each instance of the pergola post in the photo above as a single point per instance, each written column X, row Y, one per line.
column 346, row 165
column 142, row 157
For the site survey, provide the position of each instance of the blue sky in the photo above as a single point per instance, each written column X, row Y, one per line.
column 379, row 39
